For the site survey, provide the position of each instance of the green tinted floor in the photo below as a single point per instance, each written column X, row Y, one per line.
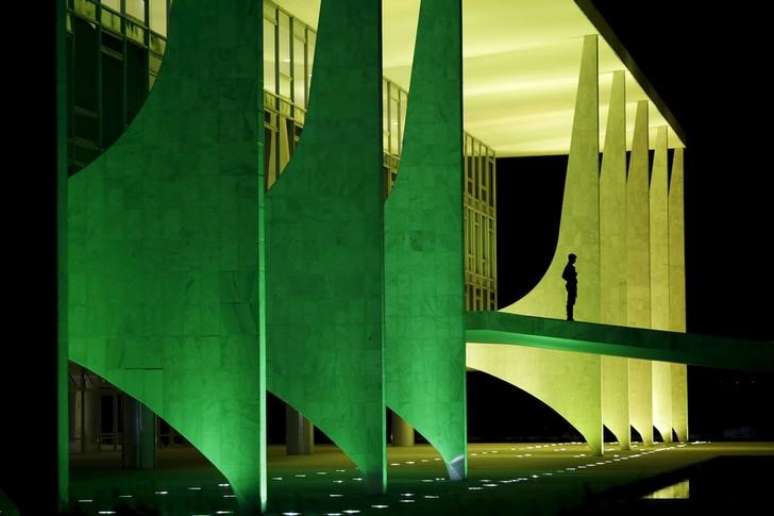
column 504, row 478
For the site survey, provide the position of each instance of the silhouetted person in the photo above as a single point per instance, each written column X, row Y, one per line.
column 571, row 278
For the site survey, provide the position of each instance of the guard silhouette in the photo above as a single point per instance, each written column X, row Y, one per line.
column 570, row 276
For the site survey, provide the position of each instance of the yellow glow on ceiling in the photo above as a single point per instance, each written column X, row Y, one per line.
column 521, row 60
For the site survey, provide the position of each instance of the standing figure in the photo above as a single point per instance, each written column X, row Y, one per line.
column 571, row 278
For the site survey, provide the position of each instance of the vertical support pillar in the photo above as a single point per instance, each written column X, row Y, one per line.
column 329, row 204
column 424, row 346
column 659, row 235
column 638, row 225
column 88, row 415
column 662, row 399
column 612, row 260
column 677, row 290
column 299, row 433
column 402, row 431
column 638, row 272
column 138, row 450
column 659, row 281
column 640, row 399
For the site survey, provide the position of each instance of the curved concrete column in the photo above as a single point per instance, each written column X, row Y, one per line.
column 166, row 251
column 424, row 288
column 569, row 383
column 579, row 226
column 326, row 246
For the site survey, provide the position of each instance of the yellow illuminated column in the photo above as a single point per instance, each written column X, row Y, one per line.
column 579, row 225
column 659, row 235
column 662, row 399
column 677, row 291
column 640, row 399
column 659, row 281
column 570, row 383
column 638, row 272
column 402, row 432
column 615, row 398
column 612, row 236
column 638, row 226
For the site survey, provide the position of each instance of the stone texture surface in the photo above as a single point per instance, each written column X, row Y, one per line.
column 164, row 248
column 326, row 246
column 579, row 225
column 425, row 340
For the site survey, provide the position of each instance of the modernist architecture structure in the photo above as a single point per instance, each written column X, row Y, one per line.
column 343, row 256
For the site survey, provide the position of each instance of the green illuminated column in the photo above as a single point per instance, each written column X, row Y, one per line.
column 166, row 241
column 641, row 399
column 612, row 237
column 326, row 246
column 567, row 382
column 677, row 290
column 638, row 225
column 659, row 281
column 579, row 226
column 425, row 340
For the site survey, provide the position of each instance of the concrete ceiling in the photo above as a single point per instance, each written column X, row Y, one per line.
column 521, row 60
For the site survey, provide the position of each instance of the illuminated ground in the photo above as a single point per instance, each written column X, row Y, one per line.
column 504, row 478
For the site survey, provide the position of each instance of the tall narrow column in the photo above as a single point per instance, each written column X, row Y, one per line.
column 638, row 225
column 612, row 259
column 640, row 399
column 659, row 235
column 402, row 431
column 299, row 433
column 138, row 450
column 677, row 291
column 638, row 272
column 88, row 415
column 659, row 281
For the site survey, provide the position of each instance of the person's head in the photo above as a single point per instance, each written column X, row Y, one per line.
column 571, row 257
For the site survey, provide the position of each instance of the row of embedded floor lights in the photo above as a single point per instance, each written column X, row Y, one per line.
column 411, row 497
